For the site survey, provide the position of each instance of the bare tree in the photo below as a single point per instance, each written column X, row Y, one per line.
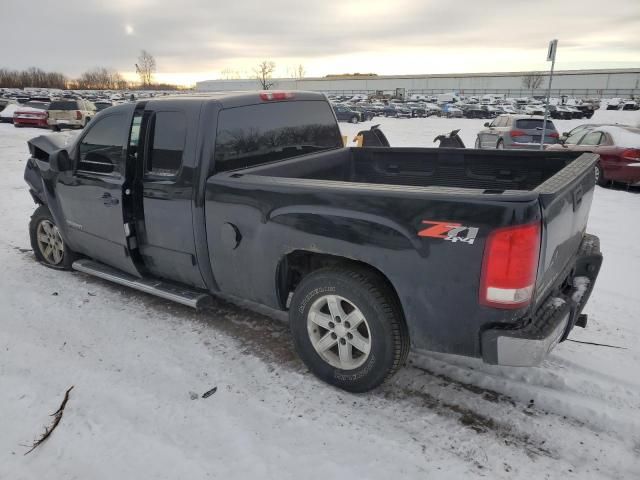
column 230, row 74
column 145, row 68
column 32, row 77
column 101, row 78
column 532, row 80
column 264, row 73
column 297, row 71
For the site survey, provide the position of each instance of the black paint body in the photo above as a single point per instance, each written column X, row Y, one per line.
column 234, row 231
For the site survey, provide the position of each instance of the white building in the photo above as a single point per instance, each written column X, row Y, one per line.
column 581, row 83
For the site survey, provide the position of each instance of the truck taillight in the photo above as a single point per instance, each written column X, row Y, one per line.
column 518, row 133
column 632, row 154
column 553, row 135
column 78, row 115
column 269, row 96
column 510, row 266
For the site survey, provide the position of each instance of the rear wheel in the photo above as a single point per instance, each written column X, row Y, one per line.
column 46, row 241
column 348, row 328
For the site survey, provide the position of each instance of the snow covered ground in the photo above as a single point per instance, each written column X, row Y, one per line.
column 140, row 366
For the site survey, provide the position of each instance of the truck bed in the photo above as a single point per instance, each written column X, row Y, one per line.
column 368, row 205
column 492, row 171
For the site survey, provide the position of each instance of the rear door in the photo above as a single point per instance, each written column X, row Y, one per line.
column 167, row 170
column 91, row 198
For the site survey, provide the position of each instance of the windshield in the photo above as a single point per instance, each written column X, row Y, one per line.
column 268, row 132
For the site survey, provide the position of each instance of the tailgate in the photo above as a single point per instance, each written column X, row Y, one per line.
column 565, row 201
column 60, row 115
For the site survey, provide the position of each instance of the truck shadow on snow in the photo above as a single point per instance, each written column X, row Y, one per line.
column 265, row 335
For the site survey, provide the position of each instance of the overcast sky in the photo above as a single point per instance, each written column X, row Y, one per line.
column 198, row 39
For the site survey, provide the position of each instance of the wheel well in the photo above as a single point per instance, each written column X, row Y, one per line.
column 298, row 264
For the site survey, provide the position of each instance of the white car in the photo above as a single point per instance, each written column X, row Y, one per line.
column 6, row 115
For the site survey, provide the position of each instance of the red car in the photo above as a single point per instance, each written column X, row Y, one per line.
column 31, row 114
column 618, row 147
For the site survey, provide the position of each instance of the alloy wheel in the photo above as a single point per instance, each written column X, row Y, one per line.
column 339, row 332
column 50, row 242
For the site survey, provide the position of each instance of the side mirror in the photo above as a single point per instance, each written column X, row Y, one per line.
column 565, row 134
column 487, row 124
column 60, row 161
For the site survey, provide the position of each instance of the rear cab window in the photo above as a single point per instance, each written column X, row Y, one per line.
column 269, row 132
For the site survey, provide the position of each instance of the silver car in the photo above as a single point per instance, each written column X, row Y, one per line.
column 516, row 132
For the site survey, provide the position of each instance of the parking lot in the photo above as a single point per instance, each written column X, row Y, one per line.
column 139, row 367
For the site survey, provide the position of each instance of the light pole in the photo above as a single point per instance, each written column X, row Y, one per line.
column 551, row 57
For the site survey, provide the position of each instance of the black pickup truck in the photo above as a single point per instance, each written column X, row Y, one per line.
column 373, row 250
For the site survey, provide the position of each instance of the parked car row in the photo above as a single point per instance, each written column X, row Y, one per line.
column 54, row 115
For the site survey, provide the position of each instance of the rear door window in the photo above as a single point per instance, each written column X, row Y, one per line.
column 268, row 132
column 168, row 135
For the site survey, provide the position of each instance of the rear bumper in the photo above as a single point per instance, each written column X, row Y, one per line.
column 530, row 344
column 527, row 146
column 30, row 122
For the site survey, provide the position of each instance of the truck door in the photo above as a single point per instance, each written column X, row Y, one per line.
column 167, row 172
column 91, row 197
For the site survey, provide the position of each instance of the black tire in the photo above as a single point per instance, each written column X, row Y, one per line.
column 353, row 119
column 42, row 214
column 388, row 337
column 600, row 180
column 55, row 128
column 16, row 125
column 500, row 145
column 477, row 144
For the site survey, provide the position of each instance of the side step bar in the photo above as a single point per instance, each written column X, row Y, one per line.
column 159, row 288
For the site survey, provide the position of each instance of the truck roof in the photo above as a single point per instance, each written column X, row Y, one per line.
column 240, row 98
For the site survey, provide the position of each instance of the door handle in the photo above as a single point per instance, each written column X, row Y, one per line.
column 108, row 200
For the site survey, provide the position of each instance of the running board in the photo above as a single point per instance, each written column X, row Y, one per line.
column 168, row 291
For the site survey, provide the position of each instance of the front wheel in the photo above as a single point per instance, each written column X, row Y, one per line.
column 46, row 241
column 348, row 328
column 600, row 180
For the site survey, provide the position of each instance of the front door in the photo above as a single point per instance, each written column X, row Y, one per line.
column 91, row 197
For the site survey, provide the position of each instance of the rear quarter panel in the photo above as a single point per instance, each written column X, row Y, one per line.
column 436, row 280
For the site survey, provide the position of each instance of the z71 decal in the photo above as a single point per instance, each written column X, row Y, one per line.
column 449, row 231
